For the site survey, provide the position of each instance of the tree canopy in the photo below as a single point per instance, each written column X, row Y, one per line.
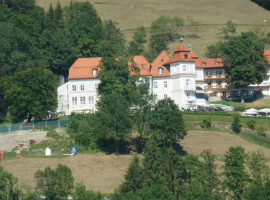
column 30, row 93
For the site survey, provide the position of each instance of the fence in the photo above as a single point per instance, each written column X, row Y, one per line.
column 32, row 125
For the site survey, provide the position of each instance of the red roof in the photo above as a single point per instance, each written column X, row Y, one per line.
column 159, row 62
column 267, row 55
column 209, row 63
column 83, row 68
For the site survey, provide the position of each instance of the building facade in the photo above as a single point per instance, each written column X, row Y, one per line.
column 184, row 78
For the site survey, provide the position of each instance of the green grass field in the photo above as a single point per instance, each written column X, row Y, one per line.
column 251, row 103
column 211, row 14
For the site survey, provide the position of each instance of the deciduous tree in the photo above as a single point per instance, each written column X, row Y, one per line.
column 31, row 93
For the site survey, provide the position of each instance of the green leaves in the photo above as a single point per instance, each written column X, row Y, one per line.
column 31, row 93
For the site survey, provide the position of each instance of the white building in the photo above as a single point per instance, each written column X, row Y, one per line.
column 184, row 78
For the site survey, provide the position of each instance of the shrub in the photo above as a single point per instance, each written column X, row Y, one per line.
column 240, row 108
column 236, row 126
column 261, row 131
column 207, row 123
column 251, row 124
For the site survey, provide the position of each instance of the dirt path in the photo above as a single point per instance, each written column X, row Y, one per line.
column 105, row 173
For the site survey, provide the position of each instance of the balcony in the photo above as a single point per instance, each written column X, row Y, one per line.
column 214, row 77
column 216, row 87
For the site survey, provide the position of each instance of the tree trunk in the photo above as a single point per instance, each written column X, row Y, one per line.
column 29, row 118
column 116, row 142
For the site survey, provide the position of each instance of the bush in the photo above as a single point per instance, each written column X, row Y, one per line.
column 261, row 131
column 251, row 124
column 206, row 123
column 236, row 126
column 240, row 108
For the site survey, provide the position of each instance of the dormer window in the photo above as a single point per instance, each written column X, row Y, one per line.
column 186, row 56
column 203, row 63
column 160, row 70
column 150, row 67
column 217, row 62
column 94, row 72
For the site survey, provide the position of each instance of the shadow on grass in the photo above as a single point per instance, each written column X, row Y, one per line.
column 179, row 149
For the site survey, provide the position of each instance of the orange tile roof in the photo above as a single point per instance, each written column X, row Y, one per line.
column 82, row 68
column 159, row 62
column 267, row 55
column 209, row 63
column 143, row 64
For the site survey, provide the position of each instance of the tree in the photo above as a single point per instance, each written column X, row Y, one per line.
column 229, row 27
column 55, row 184
column 114, row 37
column 115, row 91
column 143, row 104
column 134, row 178
column 235, row 175
column 214, row 51
column 8, row 186
column 136, row 46
column 165, row 29
column 81, row 193
column 30, row 93
column 236, row 126
column 244, row 60
column 193, row 26
column 167, row 122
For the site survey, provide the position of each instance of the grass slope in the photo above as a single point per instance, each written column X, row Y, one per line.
column 210, row 13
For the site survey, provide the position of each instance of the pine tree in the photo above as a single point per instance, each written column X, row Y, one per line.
column 236, row 126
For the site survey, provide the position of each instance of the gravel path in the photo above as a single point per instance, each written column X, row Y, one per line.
column 10, row 140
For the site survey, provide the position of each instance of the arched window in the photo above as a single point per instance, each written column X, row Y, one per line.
column 94, row 72
column 160, row 70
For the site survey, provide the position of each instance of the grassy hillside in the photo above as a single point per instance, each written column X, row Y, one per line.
column 211, row 14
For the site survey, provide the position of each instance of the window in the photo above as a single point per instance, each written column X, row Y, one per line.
column 219, row 72
column 217, row 62
column 203, row 63
column 188, row 83
column 82, row 100
column 74, row 100
column 94, row 72
column 82, row 87
column 165, row 96
column 186, row 56
column 188, row 95
column 160, row 70
column 219, row 83
column 209, row 73
column 91, row 100
column 155, row 84
column 96, row 86
column 165, row 84
column 74, row 88
column 184, row 68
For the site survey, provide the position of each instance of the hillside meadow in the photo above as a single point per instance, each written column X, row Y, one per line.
column 211, row 14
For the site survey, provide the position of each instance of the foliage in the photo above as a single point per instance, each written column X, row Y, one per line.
column 235, row 175
column 207, row 123
column 236, row 126
column 115, row 90
column 134, row 177
column 136, row 46
column 263, row 3
column 251, row 124
column 244, row 60
column 31, row 93
column 261, row 131
column 165, row 29
column 167, row 123
column 81, row 193
column 54, row 184
column 229, row 27
column 8, row 186
column 214, row 50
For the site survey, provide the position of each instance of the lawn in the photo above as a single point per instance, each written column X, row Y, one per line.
column 105, row 173
column 249, row 103
column 211, row 14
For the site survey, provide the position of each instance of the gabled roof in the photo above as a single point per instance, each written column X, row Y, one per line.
column 159, row 62
column 82, row 68
column 209, row 63
column 143, row 64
